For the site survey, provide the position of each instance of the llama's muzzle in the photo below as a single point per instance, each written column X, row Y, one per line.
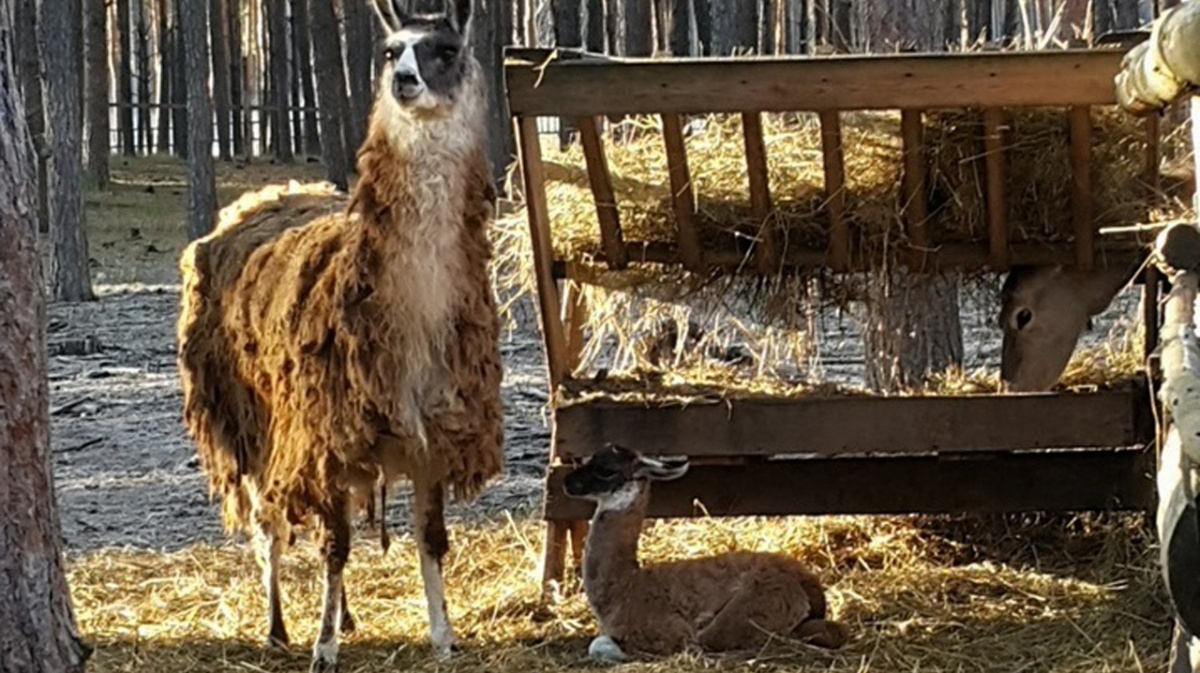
column 407, row 86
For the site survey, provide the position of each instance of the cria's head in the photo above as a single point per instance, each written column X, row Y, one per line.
column 614, row 467
column 425, row 61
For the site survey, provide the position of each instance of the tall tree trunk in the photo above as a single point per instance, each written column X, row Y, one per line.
column 143, row 78
column 359, row 45
column 179, row 122
column 487, row 29
column 39, row 633
column 639, row 39
column 125, row 79
column 702, row 12
column 281, row 133
column 202, row 186
column 96, row 46
column 595, row 26
column 679, row 32
column 734, row 25
column 59, row 22
column 222, row 98
column 568, row 31
column 331, row 90
column 295, row 102
column 239, row 117
column 912, row 329
column 29, row 68
column 166, row 55
column 303, row 37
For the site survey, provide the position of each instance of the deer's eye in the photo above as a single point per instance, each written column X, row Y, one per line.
column 1024, row 316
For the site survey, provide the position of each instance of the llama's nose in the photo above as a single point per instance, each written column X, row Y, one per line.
column 407, row 84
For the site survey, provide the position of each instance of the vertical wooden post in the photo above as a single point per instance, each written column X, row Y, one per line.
column 1150, row 168
column 999, row 257
column 600, row 179
column 1080, row 120
column 916, row 204
column 835, row 190
column 766, row 252
column 682, row 196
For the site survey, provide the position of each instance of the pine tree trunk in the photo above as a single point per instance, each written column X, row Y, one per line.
column 679, row 33
column 487, row 27
column 143, row 79
column 595, row 26
column 303, row 37
column 202, row 186
column 59, row 22
column 166, row 55
column 704, row 26
column 237, row 90
column 359, row 45
column 39, row 633
column 331, row 90
column 125, row 79
column 295, row 102
column 568, row 31
column 96, row 45
column 281, row 133
column 912, row 330
column 29, row 69
column 222, row 98
column 734, row 25
column 179, row 123
column 639, row 39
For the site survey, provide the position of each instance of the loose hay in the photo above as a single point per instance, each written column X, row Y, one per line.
column 1042, row 593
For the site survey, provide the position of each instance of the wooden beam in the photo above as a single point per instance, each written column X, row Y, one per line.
column 1067, row 480
column 683, row 199
column 835, row 426
column 875, row 82
column 1082, row 203
column 999, row 258
column 575, row 316
column 1150, row 285
column 916, row 200
column 948, row 256
column 766, row 250
column 602, row 193
column 835, row 190
column 533, row 174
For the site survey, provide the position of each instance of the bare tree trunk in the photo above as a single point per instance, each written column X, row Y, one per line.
column 912, row 329
column 680, row 33
column 595, row 26
column 143, row 78
column 179, row 122
column 639, row 40
column 238, row 115
column 29, row 68
column 222, row 98
column 281, row 133
column 303, row 37
column 359, row 45
column 331, row 90
column 59, row 22
column 734, row 26
column 295, row 102
column 96, row 45
column 202, row 186
column 487, row 29
column 568, row 32
column 166, row 55
column 39, row 633
column 125, row 79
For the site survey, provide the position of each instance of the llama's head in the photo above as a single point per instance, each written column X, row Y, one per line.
column 426, row 64
column 1043, row 311
column 615, row 475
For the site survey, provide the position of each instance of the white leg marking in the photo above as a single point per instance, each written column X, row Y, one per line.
column 607, row 650
column 441, row 633
column 325, row 650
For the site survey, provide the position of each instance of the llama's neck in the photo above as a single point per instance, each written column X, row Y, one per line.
column 610, row 558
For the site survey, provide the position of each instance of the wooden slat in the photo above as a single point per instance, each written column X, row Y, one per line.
column 1067, row 480
column 916, row 201
column 554, row 554
column 969, row 256
column 838, row 426
column 1150, row 286
column 602, row 192
column 575, row 316
column 997, row 210
column 682, row 197
column 650, row 86
column 835, row 190
column 766, row 251
column 543, row 250
column 1082, row 204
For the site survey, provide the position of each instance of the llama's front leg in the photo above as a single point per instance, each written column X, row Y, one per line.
column 432, row 544
column 336, row 550
column 267, row 548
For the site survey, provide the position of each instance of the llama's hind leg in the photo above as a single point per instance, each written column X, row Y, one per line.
column 752, row 615
column 335, row 548
column 432, row 545
column 267, row 548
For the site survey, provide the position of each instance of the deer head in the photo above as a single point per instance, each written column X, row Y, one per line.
column 1043, row 311
column 426, row 63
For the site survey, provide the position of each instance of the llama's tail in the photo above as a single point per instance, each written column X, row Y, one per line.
column 823, row 633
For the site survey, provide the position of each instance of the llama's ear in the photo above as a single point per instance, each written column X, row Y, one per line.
column 461, row 16
column 662, row 469
column 390, row 14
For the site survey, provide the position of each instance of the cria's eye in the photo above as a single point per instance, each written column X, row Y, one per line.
column 447, row 53
column 389, row 54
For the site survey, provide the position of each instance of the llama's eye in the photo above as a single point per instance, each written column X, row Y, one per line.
column 389, row 54
column 447, row 54
column 1023, row 318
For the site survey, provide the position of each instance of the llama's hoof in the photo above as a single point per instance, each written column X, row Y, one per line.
column 278, row 641
column 445, row 645
column 348, row 623
column 607, row 650
column 325, row 657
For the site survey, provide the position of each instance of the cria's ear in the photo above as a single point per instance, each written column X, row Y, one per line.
column 460, row 14
column 661, row 469
column 390, row 14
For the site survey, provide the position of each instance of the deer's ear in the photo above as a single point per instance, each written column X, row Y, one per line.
column 391, row 15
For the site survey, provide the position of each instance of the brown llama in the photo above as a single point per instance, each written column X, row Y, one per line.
column 330, row 345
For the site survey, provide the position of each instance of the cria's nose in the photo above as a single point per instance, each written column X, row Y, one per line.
column 407, row 79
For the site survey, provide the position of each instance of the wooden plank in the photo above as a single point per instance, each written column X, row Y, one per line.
column 575, row 316
column 678, row 85
column 946, row 256
column 543, row 250
column 766, row 251
column 999, row 257
column 835, row 190
column 554, row 555
column 1065, row 480
column 839, row 426
column 1082, row 204
column 602, row 193
column 1150, row 287
column 683, row 199
column 916, row 200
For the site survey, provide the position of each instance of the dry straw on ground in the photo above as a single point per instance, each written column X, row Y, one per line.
column 932, row 594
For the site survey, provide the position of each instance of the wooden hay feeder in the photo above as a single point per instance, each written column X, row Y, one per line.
column 847, row 455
